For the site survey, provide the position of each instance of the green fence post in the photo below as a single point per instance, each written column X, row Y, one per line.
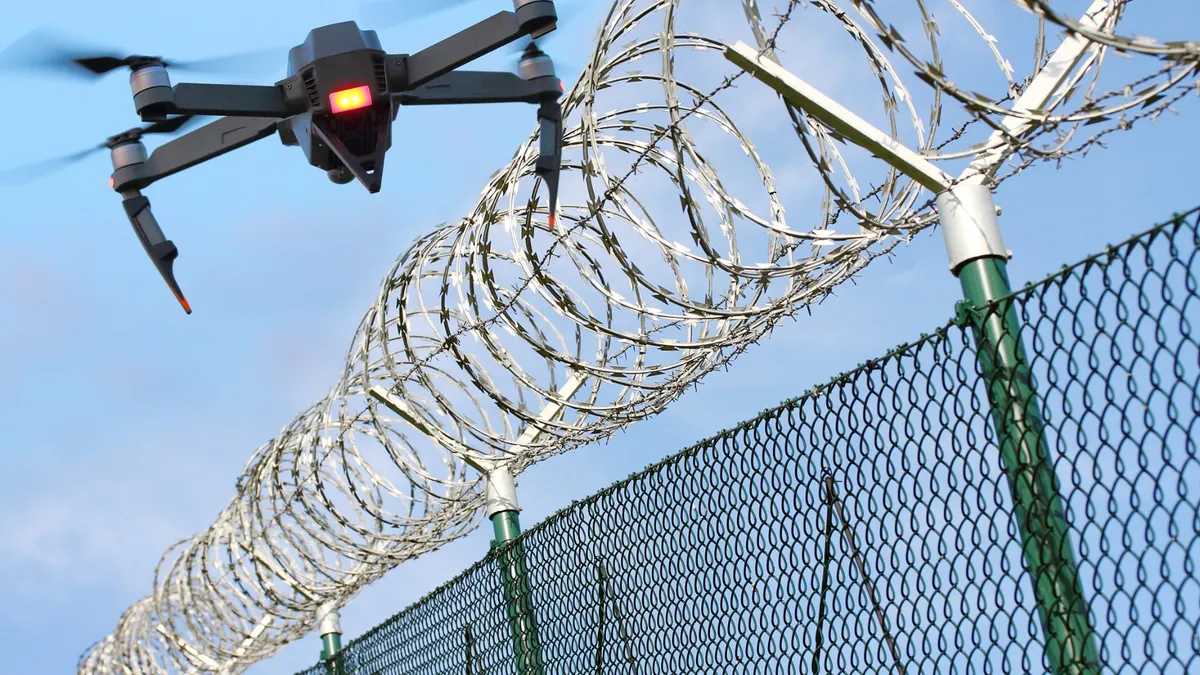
column 502, row 509
column 331, row 638
column 977, row 255
column 514, row 573
column 969, row 220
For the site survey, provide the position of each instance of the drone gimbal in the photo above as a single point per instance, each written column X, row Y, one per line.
column 338, row 102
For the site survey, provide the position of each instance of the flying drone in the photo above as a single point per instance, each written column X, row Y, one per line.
column 338, row 102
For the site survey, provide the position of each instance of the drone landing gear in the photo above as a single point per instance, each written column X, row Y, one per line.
column 536, row 84
column 161, row 250
column 549, row 161
column 134, row 170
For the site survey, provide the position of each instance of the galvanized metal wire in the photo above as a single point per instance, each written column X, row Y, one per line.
column 868, row 525
column 478, row 325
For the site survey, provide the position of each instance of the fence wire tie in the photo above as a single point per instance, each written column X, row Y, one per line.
column 473, row 667
column 605, row 592
column 834, row 506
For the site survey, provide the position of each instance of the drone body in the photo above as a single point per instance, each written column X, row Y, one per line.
column 351, row 65
column 342, row 92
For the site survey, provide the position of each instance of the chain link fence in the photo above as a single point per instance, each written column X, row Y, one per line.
column 922, row 513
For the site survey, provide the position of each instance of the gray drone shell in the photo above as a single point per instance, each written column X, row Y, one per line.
column 331, row 40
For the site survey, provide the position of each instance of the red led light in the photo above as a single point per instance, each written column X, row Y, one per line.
column 350, row 99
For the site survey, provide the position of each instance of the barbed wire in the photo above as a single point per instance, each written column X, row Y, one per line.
column 479, row 324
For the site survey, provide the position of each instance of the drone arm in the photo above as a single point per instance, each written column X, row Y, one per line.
column 212, row 140
column 157, row 101
column 231, row 99
column 467, row 86
column 533, row 17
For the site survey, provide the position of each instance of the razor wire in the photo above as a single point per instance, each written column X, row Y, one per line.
column 479, row 325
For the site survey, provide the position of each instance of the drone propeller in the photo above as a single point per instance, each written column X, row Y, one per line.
column 388, row 13
column 31, row 172
column 44, row 50
column 526, row 47
column 531, row 50
column 380, row 14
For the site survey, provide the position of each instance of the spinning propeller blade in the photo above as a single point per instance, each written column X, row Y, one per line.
column 30, row 172
column 568, row 14
column 48, row 51
column 381, row 14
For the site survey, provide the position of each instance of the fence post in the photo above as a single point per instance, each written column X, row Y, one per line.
column 977, row 256
column 514, row 573
column 502, row 509
column 331, row 637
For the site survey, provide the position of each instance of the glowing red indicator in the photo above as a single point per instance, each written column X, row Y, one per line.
column 350, row 99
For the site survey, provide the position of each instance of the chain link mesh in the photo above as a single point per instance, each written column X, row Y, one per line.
column 868, row 526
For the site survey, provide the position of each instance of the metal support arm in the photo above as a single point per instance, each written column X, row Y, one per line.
column 212, row 140
column 494, row 32
column 471, row 86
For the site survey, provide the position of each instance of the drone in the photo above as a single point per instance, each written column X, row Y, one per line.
column 339, row 99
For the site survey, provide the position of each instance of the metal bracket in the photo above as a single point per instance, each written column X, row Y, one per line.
column 501, row 487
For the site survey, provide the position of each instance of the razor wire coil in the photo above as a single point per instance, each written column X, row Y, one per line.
column 866, row 526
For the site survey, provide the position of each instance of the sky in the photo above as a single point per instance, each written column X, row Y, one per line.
column 126, row 422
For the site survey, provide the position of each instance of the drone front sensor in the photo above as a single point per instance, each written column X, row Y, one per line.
column 337, row 104
column 350, row 99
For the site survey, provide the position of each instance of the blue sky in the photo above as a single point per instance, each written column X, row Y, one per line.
column 127, row 422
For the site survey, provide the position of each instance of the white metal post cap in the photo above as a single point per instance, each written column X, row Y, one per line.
column 501, row 491
column 970, row 225
column 330, row 619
